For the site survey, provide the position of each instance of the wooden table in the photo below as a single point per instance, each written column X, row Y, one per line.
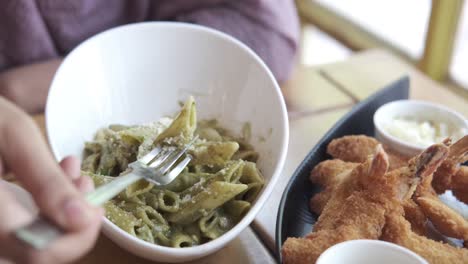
column 316, row 97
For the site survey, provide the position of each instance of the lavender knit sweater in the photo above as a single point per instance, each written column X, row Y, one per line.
column 36, row 30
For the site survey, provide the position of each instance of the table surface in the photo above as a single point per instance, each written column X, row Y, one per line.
column 316, row 98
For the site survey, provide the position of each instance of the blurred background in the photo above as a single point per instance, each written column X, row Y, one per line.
column 432, row 35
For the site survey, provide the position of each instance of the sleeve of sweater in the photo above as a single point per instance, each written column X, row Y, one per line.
column 270, row 28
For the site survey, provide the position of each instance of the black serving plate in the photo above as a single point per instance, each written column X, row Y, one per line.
column 294, row 217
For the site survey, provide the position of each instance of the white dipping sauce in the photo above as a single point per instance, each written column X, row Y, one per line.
column 422, row 133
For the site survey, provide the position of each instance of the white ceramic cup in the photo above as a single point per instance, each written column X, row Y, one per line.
column 365, row 251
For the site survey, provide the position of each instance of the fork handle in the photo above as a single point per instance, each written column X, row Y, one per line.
column 41, row 231
column 108, row 191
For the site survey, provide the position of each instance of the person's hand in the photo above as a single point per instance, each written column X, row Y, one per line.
column 27, row 86
column 56, row 188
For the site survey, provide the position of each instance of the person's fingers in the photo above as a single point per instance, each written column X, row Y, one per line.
column 71, row 166
column 26, row 154
column 74, row 245
column 12, row 216
column 84, row 184
column 66, row 249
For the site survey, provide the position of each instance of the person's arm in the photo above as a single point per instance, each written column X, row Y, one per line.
column 27, row 86
column 55, row 188
column 270, row 28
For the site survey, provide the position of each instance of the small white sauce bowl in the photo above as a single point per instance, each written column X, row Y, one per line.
column 365, row 251
column 419, row 110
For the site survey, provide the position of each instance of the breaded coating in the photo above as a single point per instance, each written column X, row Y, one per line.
column 319, row 200
column 461, row 194
column 357, row 148
column 397, row 230
column 352, row 224
column 451, row 175
column 445, row 219
column 371, row 192
column 416, row 217
column 460, row 184
column 358, row 205
column 351, row 213
column 331, row 172
column 328, row 174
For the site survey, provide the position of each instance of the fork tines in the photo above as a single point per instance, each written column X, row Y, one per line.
column 164, row 160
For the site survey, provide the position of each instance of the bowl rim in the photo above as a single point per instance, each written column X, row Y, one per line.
column 379, row 243
column 268, row 188
column 411, row 102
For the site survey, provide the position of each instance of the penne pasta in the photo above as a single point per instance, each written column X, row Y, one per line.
column 123, row 219
column 237, row 208
column 211, row 197
column 213, row 153
column 205, row 201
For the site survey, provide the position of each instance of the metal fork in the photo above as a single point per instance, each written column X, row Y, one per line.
column 160, row 166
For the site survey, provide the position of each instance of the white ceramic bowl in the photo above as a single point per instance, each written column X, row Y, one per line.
column 418, row 110
column 369, row 251
column 138, row 73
